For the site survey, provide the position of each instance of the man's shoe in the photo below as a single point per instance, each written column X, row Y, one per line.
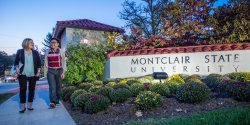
column 52, row 105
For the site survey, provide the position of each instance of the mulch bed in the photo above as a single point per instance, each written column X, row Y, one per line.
column 119, row 113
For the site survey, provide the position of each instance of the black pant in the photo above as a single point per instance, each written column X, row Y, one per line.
column 23, row 87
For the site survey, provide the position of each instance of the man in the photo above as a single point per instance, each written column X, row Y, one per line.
column 55, row 66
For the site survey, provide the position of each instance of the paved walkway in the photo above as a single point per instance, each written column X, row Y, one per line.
column 41, row 115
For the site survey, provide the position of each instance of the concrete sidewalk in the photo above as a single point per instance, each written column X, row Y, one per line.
column 41, row 115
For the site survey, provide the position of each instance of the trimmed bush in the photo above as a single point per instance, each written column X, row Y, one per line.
column 225, row 88
column 94, row 88
column 146, row 79
column 124, row 81
column 67, row 92
column 173, row 86
column 104, row 91
column 136, row 88
column 240, row 76
column 86, row 86
column 176, row 78
column 80, row 100
column 106, row 81
column 193, row 77
column 111, row 84
column 161, row 89
column 96, row 103
column 131, row 82
column 146, row 85
column 148, row 100
column 76, row 93
column 241, row 91
column 97, row 83
column 192, row 92
column 213, row 80
column 121, row 85
column 120, row 95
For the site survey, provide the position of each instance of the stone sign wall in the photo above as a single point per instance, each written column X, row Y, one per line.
column 203, row 60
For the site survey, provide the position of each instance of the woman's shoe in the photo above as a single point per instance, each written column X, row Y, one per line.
column 22, row 111
column 30, row 109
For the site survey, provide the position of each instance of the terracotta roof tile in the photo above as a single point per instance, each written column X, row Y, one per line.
column 84, row 24
column 186, row 49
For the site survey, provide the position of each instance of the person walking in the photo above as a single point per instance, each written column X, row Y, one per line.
column 27, row 64
column 55, row 66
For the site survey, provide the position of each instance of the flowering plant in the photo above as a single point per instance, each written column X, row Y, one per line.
column 148, row 100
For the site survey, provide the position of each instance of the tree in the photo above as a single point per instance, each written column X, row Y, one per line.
column 5, row 62
column 46, row 42
column 231, row 22
column 146, row 15
column 186, row 21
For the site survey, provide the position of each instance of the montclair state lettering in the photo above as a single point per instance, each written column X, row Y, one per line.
column 161, row 60
column 184, row 64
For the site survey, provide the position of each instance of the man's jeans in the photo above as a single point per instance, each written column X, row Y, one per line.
column 55, row 84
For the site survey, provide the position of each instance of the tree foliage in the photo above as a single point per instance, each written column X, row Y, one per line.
column 231, row 23
column 146, row 15
column 46, row 42
column 85, row 61
column 5, row 61
column 186, row 21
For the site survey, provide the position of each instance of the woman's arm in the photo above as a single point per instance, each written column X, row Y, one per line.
column 17, row 60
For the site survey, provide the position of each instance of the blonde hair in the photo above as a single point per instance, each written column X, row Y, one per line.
column 26, row 42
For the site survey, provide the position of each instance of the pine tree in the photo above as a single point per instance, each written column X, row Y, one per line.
column 46, row 42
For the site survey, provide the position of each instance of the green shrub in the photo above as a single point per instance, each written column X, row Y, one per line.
column 67, row 92
column 97, row 83
column 130, row 82
column 192, row 92
column 111, row 84
column 81, row 99
column 176, row 78
column 148, row 100
column 136, row 88
column 146, row 79
column 96, row 103
column 193, row 80
column 104, row 91
column 240, row 76
column 213, row 80
column 225, row 88
column 192, row 77
column 94, row 88
column 85, row 61
column 120, row 95
column 124, row 81
column 121, row 85
column 85, row 86
column 173, row 86
column 160, row 88
column 106, row 81
column 146, row 85
column 241, row 91
column 76, row 93
column 117, row 80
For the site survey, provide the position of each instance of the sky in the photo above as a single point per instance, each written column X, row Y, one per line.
column 20, row 19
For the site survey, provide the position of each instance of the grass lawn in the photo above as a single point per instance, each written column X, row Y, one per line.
column 5, row 96
column 235, row 116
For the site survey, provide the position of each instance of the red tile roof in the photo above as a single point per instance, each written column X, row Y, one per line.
column 84, row 24
column 183, row 49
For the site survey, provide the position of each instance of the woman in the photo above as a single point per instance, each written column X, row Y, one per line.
column 28, row 65
column 55, row 66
